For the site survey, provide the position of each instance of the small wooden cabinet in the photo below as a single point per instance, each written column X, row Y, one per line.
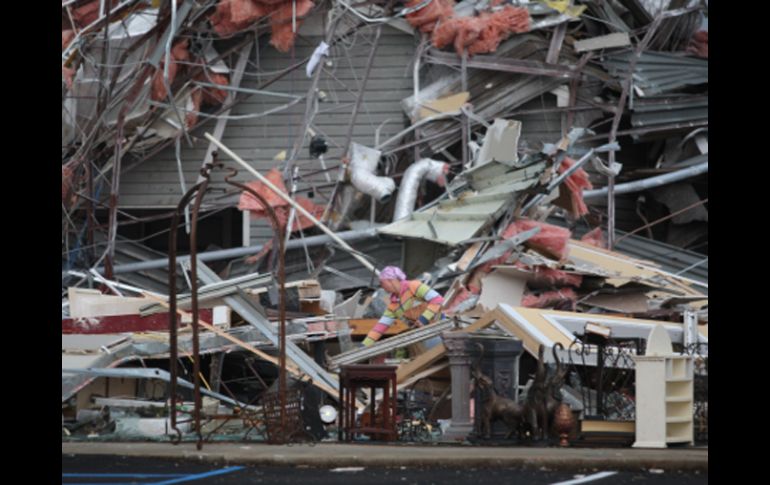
column 664, row 400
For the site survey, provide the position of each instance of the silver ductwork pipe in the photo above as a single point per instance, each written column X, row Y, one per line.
column 650, row 183
column 425, row 168
column 363, row 169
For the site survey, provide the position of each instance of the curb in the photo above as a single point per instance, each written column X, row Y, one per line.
column 332, row 456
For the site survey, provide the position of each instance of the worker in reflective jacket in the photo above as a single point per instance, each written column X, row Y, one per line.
column 410, row 300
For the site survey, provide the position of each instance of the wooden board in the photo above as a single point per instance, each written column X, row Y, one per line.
column 446, row 104
column 360, row 327
column 85, row 303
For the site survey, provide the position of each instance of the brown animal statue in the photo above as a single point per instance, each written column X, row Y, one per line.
column 496, row 407
column 536, row 402
column 554, row 384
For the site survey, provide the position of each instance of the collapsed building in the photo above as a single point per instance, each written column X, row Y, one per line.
column 234, row 172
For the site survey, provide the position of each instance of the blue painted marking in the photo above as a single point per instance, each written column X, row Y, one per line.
column 198, row 476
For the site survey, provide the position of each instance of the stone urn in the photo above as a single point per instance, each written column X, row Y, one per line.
column 563, row 422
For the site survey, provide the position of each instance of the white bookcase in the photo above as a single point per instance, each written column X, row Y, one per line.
column 664, row 397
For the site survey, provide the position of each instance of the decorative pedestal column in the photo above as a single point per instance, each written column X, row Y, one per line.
column 459, row 364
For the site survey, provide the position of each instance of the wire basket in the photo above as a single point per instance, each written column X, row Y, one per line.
column 271, row 407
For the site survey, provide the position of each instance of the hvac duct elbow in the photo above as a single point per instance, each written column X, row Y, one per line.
column 363, row 165
column 425, row 168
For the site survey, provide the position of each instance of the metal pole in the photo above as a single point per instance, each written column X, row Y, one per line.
column 464, row 118
column 616, row 123
column 611, row 207
column 311, row 241
column 361, row 90
column 651, row 182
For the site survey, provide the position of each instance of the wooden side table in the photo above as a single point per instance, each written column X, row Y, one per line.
column 354, row 377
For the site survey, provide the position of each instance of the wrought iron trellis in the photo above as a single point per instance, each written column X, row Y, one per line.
column 606, row 383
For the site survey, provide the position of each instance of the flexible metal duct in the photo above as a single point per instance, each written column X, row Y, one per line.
column 363, row 166
column 425, row 168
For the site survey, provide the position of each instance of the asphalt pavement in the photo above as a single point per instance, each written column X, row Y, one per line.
column 117, row 470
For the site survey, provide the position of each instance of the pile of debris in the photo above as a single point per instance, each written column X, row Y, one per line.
column 503, row 190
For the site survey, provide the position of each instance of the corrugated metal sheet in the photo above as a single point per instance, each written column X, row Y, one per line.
column 491, row 93
column 659, row 72
column 662, row 111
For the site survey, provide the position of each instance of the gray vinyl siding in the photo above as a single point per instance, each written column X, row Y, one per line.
column 155, row 183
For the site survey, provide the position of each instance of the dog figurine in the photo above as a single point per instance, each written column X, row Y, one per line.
column 496, row 407
column 535, row 405
column 554, row 383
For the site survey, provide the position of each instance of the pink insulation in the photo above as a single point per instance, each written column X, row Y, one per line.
column 68, row 74
column 550, row 298
column 499, row 26
column 86, row 14
column 232, row 16
column 213, row 96
column 425, row 19
column 178, row 53
column 282, row 37
column 699, row 44
column 551, row 241
column 478, row 35
column 281, row 207
column 459, row 296
column 191, row 117
column 545, row 276
column 244, row 12
column 595, row 238
column 66, row 37
column 575, row 184
column 248, row 202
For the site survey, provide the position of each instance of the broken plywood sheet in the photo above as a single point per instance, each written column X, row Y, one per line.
column 502, row 287
column 618, row 39
column 621, row 269
column 527, row 325
column 86, row 303
column 624, row 303
column 447, row 104
column 468, row 256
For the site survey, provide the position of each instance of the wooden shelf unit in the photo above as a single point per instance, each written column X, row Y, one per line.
column 664, row 400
